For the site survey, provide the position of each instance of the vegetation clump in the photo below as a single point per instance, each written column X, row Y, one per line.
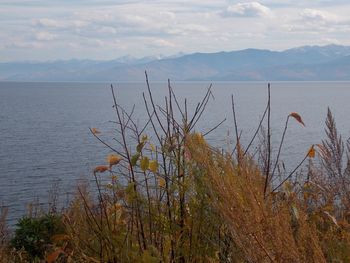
column 34, row 234
column 166, row 195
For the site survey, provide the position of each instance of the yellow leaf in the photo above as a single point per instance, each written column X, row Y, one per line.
column 114, row 177
column 161, row 182
column 117, row 206
column 95, row 131
column 114, row 208
column 311, row 153
column 144, row 138
column 144, row 163
column 153, row 148
column 113, row 159
column 101, row 169
column 297, row 117
column 153, row 166
column 287, row 187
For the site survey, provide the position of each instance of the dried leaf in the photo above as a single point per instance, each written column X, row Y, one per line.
column 153, row 166
column 311, row 153
column 115, row 208
column 114, row 177
column 198, row 137
column 54, row 255
column 297, row 117
column 60, row 237
column 295, row 213
column 113, row 159
column 95, row 131
column 140, row 146
column 101, row 169
column 332, row 218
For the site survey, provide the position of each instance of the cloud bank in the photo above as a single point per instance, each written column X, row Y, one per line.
column 47, row 30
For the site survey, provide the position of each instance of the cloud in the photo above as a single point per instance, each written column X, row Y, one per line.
column 60, row 23
column 46, row 22
column 162, row 43
column 45, row 36
column 318, row 21
column 24, row 44
column 250, row 9
column 318, row 16
column 106, row 29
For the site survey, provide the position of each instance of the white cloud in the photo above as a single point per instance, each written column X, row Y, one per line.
column 25, row 44
column 107, row 29
column 319, row 22
column 250, row 9
column 60, row 23
column 318, row 16
column 45, row 36
column 46, row 22
column 162, row 43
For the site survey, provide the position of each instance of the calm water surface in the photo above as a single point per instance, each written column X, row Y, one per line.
column 45, row 137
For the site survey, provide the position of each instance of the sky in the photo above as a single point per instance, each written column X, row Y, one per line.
column 41, row 30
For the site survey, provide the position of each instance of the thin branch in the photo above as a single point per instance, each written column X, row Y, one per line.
column 268, row 140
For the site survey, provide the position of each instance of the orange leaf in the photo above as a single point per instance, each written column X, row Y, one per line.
column 53, row 256
column 95, row 131
column 60, row 237
column 297, row 117
column 311, row 153
column 161, row 182
column 101, row 169
column 113, row 159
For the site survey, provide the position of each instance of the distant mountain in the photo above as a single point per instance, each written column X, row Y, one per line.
column 330, row 62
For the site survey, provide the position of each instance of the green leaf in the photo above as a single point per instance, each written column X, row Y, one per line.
column 130, row 192
column 135, row 158
column 148, row 258
column 140, row 146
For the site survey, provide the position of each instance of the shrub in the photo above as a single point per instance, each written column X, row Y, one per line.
column 34, row 234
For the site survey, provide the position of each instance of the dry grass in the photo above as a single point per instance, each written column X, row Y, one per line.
column 3, row 235
column 272, row 229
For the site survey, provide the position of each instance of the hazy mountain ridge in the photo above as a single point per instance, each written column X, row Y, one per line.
column 330, row 62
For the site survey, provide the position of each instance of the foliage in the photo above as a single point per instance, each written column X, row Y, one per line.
column 34, row 235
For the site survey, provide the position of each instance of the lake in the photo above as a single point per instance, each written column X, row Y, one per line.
column 45, row 138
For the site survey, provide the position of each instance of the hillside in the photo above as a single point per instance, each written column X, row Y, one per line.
column 330, row 62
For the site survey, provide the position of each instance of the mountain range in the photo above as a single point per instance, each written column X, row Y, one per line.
column 331, row 62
